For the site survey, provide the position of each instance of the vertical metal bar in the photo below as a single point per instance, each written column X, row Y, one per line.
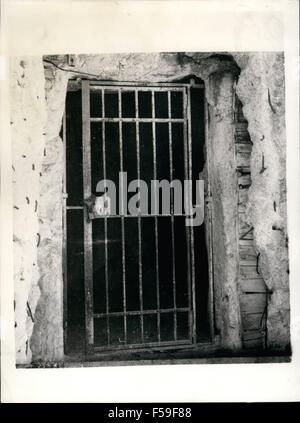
column 190, row 164
column 122, row 214
column 155, row 217
column 172, row 217
column 65, row 253
column 139, row 216
column 105, row 224
column 187, row 209
column 88, row 253
column 209, row 225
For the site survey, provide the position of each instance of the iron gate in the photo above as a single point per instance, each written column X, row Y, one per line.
column 138, row 270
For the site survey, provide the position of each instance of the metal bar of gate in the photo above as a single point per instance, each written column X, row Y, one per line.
column 133, row 120
column 126, row 215
column 137, row 313
column 172, row 215
column 187, row 203
column 190, row 210
column 155, row 217
column 144, row 347
column 88, row 237
column 142, row 86
column 122, row 213
column 105, row 226
column 139, row 215
column 139, row 347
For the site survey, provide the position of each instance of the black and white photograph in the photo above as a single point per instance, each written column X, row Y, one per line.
column 144, row 284
column 149, row 208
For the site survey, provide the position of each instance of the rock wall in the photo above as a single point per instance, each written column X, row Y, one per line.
column 252, row 287
column 36, row 115
column 28, row 117
column 261, row 89
column 47, row 338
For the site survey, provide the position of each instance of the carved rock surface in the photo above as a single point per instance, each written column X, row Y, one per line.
column 28, row 117
column 261, row 88
column 47, row 337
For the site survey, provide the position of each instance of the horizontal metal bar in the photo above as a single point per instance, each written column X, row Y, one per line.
column 75, row 85
column 139, row 312
column 204, row 346
column 130, row 347
column 136, row 120
column 140, row 86
column 127, row 215
column 140, row 215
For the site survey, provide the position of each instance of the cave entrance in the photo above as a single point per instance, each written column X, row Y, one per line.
column 133, row 281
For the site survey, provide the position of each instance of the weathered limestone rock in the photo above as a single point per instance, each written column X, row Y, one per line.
column 27, row 124
column 157, row 67
column 261, row 89
column 47, row 337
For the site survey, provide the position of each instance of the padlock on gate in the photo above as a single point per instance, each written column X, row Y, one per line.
column 102, row 205
column 97, row 206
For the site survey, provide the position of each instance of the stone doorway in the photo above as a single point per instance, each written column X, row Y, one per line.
column 39, row 87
